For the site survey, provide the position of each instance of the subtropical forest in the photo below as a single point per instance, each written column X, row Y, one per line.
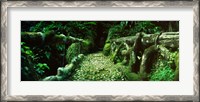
column 99, row 50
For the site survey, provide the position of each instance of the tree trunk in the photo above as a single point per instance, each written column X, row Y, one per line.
column 146, row 61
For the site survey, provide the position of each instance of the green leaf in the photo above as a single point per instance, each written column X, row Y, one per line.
column 90, row 23
column 29, row 52
column 48, row 54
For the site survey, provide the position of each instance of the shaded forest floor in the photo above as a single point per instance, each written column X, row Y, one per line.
column 97, row 66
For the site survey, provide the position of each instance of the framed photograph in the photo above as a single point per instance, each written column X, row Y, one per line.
column 100, row 51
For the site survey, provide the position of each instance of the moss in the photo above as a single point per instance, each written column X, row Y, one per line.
column 113, row 57
column 72, row 51
column 97, row 67
column 163, row 74
column 131, row 76
column 49, row 36
column 59, row 38
column 85, row 46
column 51, row 78
column 163, row 66
column 106, row 49
column 59, row 78
column 114, row 32
column 177, row 67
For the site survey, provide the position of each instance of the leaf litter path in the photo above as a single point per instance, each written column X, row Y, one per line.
column 97, row 67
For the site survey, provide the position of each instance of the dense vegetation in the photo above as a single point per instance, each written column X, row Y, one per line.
column 98, row 50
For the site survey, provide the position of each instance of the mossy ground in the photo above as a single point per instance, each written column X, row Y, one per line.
column 98, row 67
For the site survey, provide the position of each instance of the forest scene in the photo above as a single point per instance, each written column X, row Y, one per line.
column 99, row 50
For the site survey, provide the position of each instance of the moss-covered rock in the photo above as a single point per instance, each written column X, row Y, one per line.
column 130, row 75
column 51, row 78
column 72, row 51
column 63, row 73
column 106, row 49
column 133, row 77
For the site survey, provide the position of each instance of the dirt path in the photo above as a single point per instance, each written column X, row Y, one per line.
column 97, row 67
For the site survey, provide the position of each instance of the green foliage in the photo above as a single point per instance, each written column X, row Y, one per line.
column 47, row 26
column 41, row 67
column 79, row 29
column 38, row 27
column 47, row 55
column 177, row 67
column 162, row 74
column 162, row 71
column 26, row 51
column 146, row 27
column 86, row 46
column 173, row 56
column 60, row 47
column 29, row 67
column 72, row 51
column 115, row 32
column 124, row 29
column 123, row 23
column 106, row 49
column 130, row 75
column 90, row 23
